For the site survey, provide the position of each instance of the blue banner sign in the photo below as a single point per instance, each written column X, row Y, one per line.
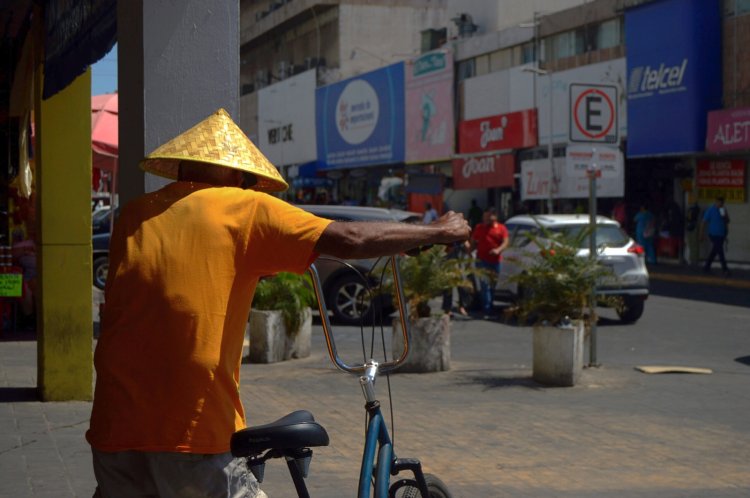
column 360, row 121
column 674, row 75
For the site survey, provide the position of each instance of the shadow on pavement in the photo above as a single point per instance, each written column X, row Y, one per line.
column 745, row 360
column 701, row 292
column 18, row 394
column 493, row 381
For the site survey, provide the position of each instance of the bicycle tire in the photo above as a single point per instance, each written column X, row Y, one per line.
column 435, row 487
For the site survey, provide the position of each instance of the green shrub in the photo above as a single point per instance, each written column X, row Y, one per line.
column 288, row 293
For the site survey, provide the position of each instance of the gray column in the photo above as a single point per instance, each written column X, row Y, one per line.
column 178, row 63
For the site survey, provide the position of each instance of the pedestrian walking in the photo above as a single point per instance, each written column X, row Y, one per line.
column 457, row 250
column 716, row 225
column 490, row 239
column 430, row 214
column 184, row 264
column 645, row 232
column 475, row 214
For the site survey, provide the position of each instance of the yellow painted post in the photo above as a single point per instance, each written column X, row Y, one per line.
column 64, row 300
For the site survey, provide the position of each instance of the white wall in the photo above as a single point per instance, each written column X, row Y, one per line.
column 373, row 36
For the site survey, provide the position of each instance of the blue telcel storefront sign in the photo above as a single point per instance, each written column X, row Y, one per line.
column 674, row 74
column 360, row 121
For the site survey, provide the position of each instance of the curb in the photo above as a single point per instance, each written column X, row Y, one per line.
column 701, row 279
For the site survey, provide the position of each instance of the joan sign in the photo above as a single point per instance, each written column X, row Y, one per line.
column 514, row 130
column 360, row 121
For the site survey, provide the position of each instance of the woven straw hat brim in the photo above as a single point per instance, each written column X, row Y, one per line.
column 216, row 140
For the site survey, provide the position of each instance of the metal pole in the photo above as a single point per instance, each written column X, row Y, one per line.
column 550, row 207
column 593, row 170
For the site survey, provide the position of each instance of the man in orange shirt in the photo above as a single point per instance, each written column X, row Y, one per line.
column 490, row 238
column 184, row 264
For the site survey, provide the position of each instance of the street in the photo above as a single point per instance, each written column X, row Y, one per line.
column 487, row 429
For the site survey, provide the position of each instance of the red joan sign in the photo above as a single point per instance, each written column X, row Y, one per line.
column 515, row 130
column 721, row 178
column 483, row 172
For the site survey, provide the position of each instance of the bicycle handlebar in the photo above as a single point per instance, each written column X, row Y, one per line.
column 331, row 343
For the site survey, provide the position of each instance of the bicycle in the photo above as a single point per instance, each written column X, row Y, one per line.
column 293, row 436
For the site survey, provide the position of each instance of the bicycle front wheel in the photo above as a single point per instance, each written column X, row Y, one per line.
column 435, row 486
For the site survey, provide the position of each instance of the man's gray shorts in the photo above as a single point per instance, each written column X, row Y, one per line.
column 167, row 475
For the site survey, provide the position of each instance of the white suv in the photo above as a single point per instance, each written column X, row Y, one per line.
column 615, row 248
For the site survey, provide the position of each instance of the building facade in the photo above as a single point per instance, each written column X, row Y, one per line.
column 538, row 93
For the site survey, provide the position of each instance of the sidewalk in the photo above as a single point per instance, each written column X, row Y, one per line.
column 671, row 270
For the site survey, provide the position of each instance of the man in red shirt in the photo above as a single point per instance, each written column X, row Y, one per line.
column 490, row 239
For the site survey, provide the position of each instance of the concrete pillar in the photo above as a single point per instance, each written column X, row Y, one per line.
column 64, row 289
column 178, row 63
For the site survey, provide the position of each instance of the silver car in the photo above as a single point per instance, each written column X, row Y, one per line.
column 616, row 250
column 345, row 291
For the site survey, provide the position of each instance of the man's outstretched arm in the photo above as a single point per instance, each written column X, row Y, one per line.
column 362, row 239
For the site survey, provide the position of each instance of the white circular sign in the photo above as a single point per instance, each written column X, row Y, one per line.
column 357, row 112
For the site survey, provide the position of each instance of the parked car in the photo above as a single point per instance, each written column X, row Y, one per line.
column 616, row 250
column 345, row 291
column 100, row 258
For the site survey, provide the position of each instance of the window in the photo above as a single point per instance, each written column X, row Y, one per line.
column 482, row 65
column 500, row 59
column 564, row 45
column 606, row 235
column 465, row 69
column 743, row 6
column 528, row 54
column 609, row 34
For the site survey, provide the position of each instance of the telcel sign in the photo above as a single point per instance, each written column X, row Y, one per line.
column 645, row 80
column 674, row 74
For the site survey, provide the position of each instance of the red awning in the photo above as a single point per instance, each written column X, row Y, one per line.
column 104, row 133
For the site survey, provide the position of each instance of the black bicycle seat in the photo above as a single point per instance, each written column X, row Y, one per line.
column 296, row 430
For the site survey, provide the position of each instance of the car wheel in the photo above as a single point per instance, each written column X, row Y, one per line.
column 631, row 309
column 101, row 267
column 350, row 300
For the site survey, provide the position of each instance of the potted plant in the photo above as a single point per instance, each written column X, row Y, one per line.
column 555, row 287
column 427, row 276
column 280, row 323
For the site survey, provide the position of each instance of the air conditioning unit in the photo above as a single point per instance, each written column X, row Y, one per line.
column 283, row 70
column 465, row 25
column 261, row 78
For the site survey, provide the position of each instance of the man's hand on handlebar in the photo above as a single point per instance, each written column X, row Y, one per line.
column 454, row 226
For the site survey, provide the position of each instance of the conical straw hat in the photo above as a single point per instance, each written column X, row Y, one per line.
column 215, row 140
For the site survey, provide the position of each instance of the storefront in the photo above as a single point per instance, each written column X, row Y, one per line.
column 486, row 159
column 286, row 135
column 429, row 129
column 360, row 133
column 724, row 173
column 674, row 80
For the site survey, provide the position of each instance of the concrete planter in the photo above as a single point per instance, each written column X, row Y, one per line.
column 558, row 354
column 429, row 344
column 269, row 341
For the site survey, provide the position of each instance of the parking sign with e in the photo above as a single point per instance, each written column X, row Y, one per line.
column 593, row 113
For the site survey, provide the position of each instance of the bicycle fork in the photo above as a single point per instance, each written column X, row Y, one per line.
column 378, row 438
